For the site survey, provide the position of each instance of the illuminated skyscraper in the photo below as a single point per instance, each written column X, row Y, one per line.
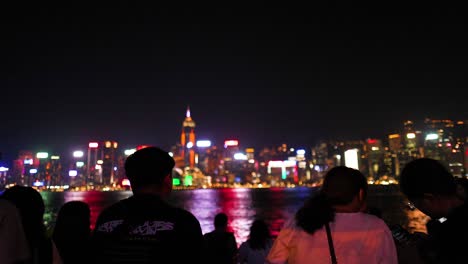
column 374, row 152
column 445, row 141
column 109, row 162
column 187, row 140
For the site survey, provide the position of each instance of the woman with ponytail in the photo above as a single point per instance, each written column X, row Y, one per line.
column 332, row 227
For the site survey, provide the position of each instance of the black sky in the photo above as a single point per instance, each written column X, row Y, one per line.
column 262, row 74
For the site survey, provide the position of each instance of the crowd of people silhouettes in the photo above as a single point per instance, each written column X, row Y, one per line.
column 333, row 226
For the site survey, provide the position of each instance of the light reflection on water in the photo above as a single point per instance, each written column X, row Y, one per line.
column 236, row 203
column 243, row 205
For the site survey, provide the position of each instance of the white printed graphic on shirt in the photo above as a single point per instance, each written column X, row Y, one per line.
column 109, row 226
column 151, row 227
column 147, row 228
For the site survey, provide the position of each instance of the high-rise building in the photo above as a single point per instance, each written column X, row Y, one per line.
column 375, row 154
column 55, row 174
column 109, row 162
column 22, row 167
column 392, row 159
column 445, row 140
column 187, row 140
column 93, row 165
column 412, row 141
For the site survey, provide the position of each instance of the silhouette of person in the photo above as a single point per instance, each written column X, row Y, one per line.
column 257, row 246
column 72, row 232
column 408, row 245
column 145, row 228
column 220, row 244
column 13, row 244
column 31, row 208
column 431, row 188
column 357, row 237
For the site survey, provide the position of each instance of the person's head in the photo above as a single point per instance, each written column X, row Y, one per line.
column 150, row 170
column 429, row 186
column 73, row 221
column 259, row 234
column 31, row 208
column 221, row 221
column 344, row 189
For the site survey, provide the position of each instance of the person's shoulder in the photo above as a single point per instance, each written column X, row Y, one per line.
column 113, row 210
column 208, row 234
column 374, row 220
column 244, row 245
column 184, row 214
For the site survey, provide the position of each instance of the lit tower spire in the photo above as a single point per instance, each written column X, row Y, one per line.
column 187, row 139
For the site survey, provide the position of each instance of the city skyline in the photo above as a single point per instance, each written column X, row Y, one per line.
column 263, row 75
column 68, row 149
column 199, row 163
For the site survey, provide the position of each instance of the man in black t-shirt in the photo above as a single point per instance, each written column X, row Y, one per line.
column 145, row 228
column 431, row 188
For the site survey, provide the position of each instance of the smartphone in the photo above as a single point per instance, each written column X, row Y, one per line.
column 400, row 234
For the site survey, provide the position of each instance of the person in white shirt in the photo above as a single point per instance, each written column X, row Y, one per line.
column 13, row 244
column 357, row 237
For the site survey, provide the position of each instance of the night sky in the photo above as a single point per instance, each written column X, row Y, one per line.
column 262, row 74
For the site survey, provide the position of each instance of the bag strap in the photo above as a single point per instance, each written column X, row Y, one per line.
column 330, row 244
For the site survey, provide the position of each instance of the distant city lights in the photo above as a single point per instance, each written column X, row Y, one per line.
column 240, row 156
column 78, row 154
column 38, row 183
column 109, row 144
column 275, row 163
column 231, row 143
column 42, row 155
column 204, row 163
column 432, row 136
column 125, row 182
column 142, row 147
column 351, row 158
column 203, row 143
column 93, row 145
column 129, row 152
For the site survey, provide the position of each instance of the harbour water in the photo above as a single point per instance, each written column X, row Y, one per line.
column 243, row 205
